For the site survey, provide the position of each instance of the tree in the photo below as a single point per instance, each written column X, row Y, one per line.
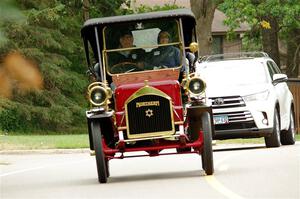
column 270, row 39
column 49, row 38
column 85, row 9
column 293, row 53
column 275, row 19
column 204, row 12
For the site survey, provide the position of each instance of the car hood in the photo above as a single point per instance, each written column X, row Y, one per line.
column 241, row 90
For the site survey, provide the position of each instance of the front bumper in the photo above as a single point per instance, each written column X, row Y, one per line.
column 242, row 133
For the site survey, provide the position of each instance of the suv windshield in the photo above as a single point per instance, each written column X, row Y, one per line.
column 233, row 73
column 149, row 45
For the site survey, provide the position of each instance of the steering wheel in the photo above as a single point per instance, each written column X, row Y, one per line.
column 124, row 67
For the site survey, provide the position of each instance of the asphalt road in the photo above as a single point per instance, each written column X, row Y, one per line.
column 248, row 172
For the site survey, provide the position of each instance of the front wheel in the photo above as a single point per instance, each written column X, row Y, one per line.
column 274, row 139
column 102, row 165
column 207, row 152
column 288, row 137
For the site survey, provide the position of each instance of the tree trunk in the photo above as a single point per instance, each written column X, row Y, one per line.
column 293, row 53
column 204, row 12
column 270, row 39
column 86, row 8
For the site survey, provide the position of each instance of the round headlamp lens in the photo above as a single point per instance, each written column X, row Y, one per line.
column 196, row 86
column 98, row 96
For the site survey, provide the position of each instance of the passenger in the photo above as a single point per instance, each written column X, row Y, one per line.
column 122, row 59
column 165, row 56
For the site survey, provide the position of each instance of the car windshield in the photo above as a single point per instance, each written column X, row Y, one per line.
column 229, row 73
column 149, row 45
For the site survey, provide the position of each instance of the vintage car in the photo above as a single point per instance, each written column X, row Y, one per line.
column 143, row 96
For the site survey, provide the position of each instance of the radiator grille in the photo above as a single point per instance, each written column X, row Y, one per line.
column 149, row 114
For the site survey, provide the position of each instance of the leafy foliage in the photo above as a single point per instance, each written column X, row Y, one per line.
column 286, row 15
column 49, row 36
column 125, row 9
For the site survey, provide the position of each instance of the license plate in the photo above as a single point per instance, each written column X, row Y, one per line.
column 221, row 119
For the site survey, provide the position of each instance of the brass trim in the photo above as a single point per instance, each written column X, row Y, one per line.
column 105, row 88
column 193, row 47
column 121, row 128
column 103, row 37
column 149, row 90
column 188, row 85
column 134, row 48
column 152, row 138
column 179, row 123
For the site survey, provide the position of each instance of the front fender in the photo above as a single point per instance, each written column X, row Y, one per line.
column 194, row 115
column 108, row 129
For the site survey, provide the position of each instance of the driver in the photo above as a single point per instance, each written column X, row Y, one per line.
column 122, row 58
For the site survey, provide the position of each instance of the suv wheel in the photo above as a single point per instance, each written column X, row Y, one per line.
column 288, row 137
column 274, row 139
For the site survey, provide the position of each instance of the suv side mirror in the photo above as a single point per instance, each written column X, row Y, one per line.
column 278, row 78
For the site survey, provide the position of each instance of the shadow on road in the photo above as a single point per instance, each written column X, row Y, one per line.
column 239, row 148
column 157, row 176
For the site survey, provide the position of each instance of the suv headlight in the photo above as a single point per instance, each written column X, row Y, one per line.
column 196, row 86
column 98, row 94
column 257, row 96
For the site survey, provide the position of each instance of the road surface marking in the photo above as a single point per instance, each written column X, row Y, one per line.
column 217, row 185
column 212, row 181
column 40, row 167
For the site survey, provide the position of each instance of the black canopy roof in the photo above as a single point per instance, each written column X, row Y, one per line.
column 89, row 25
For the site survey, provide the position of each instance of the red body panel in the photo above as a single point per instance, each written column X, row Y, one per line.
column 170, row 87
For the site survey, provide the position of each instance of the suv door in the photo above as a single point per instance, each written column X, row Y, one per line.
column 282, row 93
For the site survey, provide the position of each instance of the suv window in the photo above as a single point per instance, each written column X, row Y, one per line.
column 273, row 69
column 226, row 73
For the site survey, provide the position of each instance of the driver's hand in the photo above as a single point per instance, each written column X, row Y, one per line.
column 140, row 65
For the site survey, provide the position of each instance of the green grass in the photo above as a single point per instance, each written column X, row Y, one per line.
column 248, row 141
column 27, row 142
column 20, row 142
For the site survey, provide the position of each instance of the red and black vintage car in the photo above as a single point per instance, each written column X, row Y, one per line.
column 143, row 94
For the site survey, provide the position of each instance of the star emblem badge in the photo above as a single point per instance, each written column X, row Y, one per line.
column 149, row 113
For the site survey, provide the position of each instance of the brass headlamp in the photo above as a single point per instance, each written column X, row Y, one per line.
column 195, row 85
column 99, row 94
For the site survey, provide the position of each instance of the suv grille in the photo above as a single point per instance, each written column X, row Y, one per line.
column 237, row 117
column 227, row 102
column 149, row 114
column 237, row 120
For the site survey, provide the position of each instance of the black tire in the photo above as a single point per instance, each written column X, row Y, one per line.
column 274, row 139
column 100, row 159
column 107, row 167
column 207, row 152
column 288, row 137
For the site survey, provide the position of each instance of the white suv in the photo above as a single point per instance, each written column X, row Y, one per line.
column 250, row 97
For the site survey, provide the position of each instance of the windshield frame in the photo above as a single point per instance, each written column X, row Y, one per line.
column 180, row 44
